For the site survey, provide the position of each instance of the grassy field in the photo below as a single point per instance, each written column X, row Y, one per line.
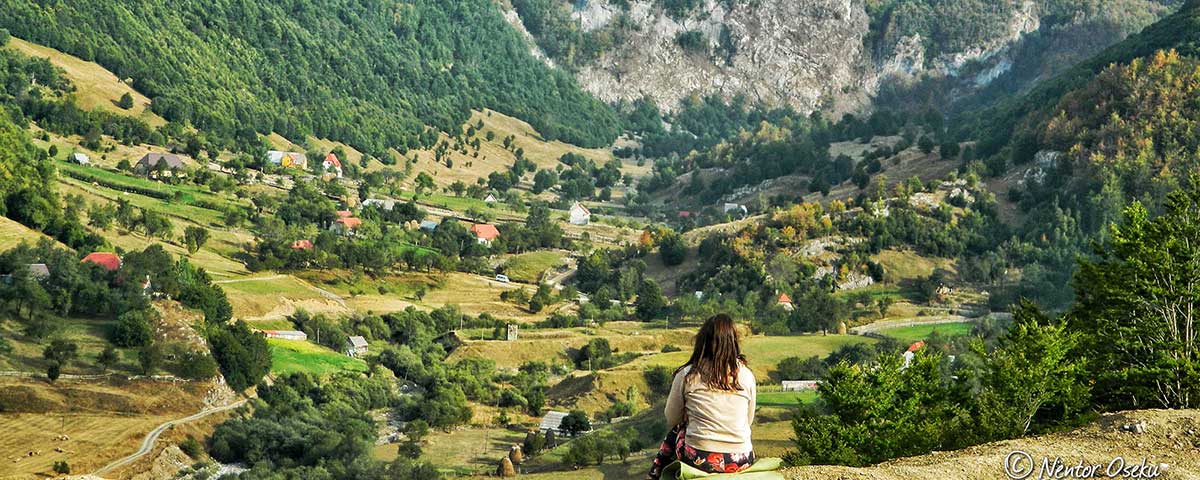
column 291, row 356
column 552, row 345
column 492, row 156
column 13, row 233
column 189, row 193
column 96, row 87
column 921, row 332
column 528, row 267
column 904, row 265
column 463, row 451
column 90, row 334
column 762, row 352
column 214, row 257
column 785, row 399
column 270, row 297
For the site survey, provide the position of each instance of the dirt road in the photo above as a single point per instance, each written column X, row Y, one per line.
column 152, row 437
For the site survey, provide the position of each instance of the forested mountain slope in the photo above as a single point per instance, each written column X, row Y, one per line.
column 994, row 127
column 371, row 74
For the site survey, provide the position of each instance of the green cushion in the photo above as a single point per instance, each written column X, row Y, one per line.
column 762, row 469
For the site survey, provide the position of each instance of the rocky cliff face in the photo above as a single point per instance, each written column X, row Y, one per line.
column 783, row 52
column 810, row 54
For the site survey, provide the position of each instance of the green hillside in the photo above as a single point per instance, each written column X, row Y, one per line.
column 371, row 74
column 994, row 127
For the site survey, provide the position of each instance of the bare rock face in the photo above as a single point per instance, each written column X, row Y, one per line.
column 808, row 54
column 783, row 52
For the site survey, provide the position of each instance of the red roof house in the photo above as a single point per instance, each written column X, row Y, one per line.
column 485, row 233
column 785, row 301
column 346, row 225
column 332, row 163
column 110, row 261
column 916, row 346
column 302, row 245
column 685, row 214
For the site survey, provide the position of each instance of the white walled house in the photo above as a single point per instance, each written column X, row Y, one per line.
column 579, row 214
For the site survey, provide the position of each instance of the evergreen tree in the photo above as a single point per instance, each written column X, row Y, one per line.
column 1134, row 308
column 650, row 300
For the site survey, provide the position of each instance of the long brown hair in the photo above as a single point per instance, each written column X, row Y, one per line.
column 717, row 356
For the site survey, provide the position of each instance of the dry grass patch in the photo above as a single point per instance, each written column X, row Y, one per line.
column 13, row 233
column 102, row 420
column 275, row 296
column 492, row 154
column 97, row 88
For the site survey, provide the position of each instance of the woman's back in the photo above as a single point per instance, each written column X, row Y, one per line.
column 717, row 420
column 711, row 405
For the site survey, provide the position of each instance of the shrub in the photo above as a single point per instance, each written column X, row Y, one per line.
column 191, row 447
column 61, row 467
column 132, row 329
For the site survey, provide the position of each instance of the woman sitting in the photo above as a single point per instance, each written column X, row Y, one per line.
column 711, row 405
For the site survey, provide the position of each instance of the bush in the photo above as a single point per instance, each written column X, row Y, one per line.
column 132, row 329
column 659, row 378
column 195, row 365
column 796, row 368
column 575, row 423
column 191, row 447
column 672, row 249
column 692, row 41
column 61, row 467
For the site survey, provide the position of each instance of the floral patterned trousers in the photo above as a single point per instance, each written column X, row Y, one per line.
column 673, row 448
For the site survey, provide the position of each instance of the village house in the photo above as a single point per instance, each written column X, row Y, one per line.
column 147, row 288
column 552, row 421
column 110, row 261
column 428, row 225
column 152, row 164
column 287, row 159
column 292, row 335
column 80, row 158
column 379, row 203
column 490, row 199
column 331, row 163
column 302, row 245
column 38, row 271
column 911, row 353
column 786, row 302
column 800, row 385
column 579, row 214
column 346, row 226
column 484, row 233
column 356, row 346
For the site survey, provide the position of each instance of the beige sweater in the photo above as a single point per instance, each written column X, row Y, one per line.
column 718, row 421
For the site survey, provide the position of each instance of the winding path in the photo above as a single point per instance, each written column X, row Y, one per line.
column 152, row 437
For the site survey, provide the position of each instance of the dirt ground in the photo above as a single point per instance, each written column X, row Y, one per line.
column 1171, row 437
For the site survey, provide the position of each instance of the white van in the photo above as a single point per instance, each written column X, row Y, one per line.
column 502, row 278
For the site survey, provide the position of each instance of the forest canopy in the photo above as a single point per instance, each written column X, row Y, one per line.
column 371, row 74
